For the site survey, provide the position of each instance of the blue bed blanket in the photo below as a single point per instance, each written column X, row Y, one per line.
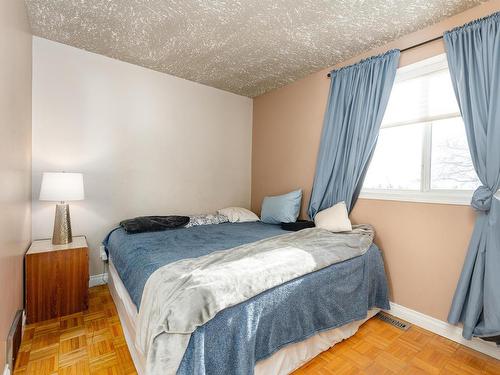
column 137, row 256
column 237, row 337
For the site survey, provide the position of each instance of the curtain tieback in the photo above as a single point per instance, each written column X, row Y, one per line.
column 481, row 199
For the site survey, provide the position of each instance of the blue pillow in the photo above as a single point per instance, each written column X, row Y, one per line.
column 281, row 208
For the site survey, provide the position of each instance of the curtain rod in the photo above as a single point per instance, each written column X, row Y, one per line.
column 414, row 46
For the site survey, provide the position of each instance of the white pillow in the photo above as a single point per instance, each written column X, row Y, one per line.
column 238, row 214
column 334, row 219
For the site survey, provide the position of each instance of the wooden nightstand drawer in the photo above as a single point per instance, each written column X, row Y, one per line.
column 57, row 278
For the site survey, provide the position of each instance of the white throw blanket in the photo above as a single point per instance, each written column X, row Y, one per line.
column 186, row 294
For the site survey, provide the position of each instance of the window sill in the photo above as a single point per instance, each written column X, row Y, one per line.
column 437, row 197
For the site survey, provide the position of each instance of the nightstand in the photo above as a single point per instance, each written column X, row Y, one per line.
column 57, row 279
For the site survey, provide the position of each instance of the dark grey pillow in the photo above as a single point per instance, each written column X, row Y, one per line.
column 153, row 223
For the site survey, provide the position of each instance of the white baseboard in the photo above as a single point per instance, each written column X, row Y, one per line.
column 96, row 280
column 6, row 370
column 444, row 329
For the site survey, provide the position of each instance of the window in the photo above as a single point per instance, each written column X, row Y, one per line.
column 422, row 152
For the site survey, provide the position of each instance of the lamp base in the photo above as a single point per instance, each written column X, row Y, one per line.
column 62, row 225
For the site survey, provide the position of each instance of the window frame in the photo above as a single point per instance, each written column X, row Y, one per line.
column 426, row 194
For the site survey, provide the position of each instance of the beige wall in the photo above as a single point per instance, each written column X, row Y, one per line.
column 147, row 143
column 423, row 244
column 15, row 158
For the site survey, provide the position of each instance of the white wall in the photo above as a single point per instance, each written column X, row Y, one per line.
column 147, row 143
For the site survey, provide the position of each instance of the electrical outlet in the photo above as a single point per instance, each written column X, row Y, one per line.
column 102, row 253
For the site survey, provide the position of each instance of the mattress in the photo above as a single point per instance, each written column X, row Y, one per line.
column 282, row 362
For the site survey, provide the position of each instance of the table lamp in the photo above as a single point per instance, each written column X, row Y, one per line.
column 62, row 187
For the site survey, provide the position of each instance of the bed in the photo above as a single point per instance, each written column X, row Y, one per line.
column 273, row 332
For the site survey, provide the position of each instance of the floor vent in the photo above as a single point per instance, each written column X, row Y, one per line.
column 14, row 339
column 393, row 321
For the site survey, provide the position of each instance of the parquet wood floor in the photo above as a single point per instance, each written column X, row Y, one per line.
column 92, row 343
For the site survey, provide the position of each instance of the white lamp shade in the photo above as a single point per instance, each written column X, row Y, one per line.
column 61, row 186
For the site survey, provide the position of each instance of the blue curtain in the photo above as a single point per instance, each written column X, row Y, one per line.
column 356, row 104
column 473, row 53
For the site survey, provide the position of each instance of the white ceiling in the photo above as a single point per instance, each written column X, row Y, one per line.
column 247, row 47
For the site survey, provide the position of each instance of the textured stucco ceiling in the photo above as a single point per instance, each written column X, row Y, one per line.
column 247, row 47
